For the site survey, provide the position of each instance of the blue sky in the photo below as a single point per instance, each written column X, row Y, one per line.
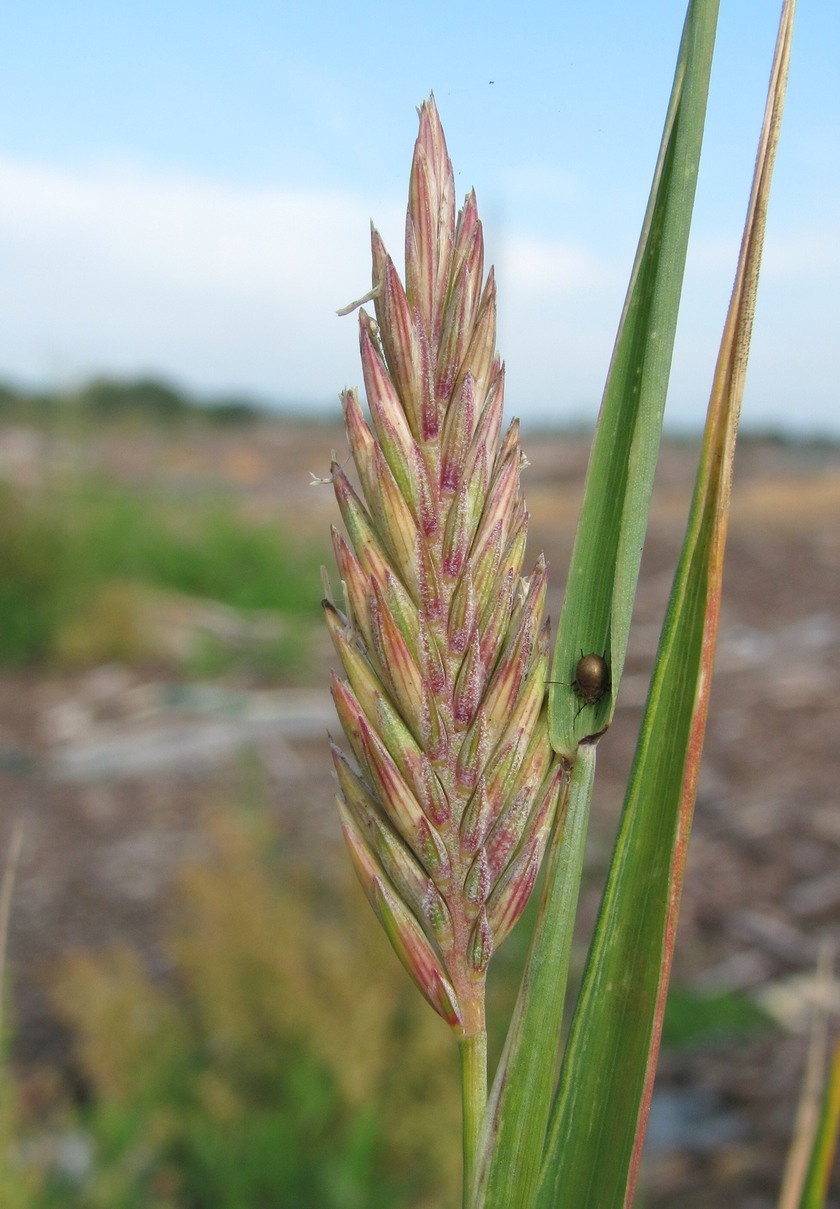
column 185, row 190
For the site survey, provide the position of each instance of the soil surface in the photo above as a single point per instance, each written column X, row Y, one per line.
column 109, row 769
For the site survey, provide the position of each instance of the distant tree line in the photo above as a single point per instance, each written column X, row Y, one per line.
column 111, row 398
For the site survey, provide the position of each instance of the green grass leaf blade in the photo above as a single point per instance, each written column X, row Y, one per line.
column 608, row 545
column 815, row 1191
column 597, row 1125
column 518, row 1109
column 814, row 1143
column 522, row 1092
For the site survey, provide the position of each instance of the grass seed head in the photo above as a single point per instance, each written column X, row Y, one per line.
column 443, row 645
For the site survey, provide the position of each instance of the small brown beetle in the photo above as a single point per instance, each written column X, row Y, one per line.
column 592, row 678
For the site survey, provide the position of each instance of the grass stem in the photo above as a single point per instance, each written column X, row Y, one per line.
column 474, row 1097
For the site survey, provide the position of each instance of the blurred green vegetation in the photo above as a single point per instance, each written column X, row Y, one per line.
column 695, row 1019
column 77, row 555
column 278, row 1056
column 284, row 1061
column 87, row 558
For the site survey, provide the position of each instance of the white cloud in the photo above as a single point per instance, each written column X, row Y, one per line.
column 221, row 287
column 209, row 282
column 531, row 266
column 176, row 230
column 218, row 285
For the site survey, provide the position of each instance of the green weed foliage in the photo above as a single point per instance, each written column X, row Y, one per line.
column 282, row 1062
column 78, row 553
column 693, row 1019
column 82, row 550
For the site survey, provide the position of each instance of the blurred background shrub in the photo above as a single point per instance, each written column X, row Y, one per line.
column 83, row 529
column 274, row 1060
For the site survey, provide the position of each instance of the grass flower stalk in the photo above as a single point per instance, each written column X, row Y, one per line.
column 450, row 788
